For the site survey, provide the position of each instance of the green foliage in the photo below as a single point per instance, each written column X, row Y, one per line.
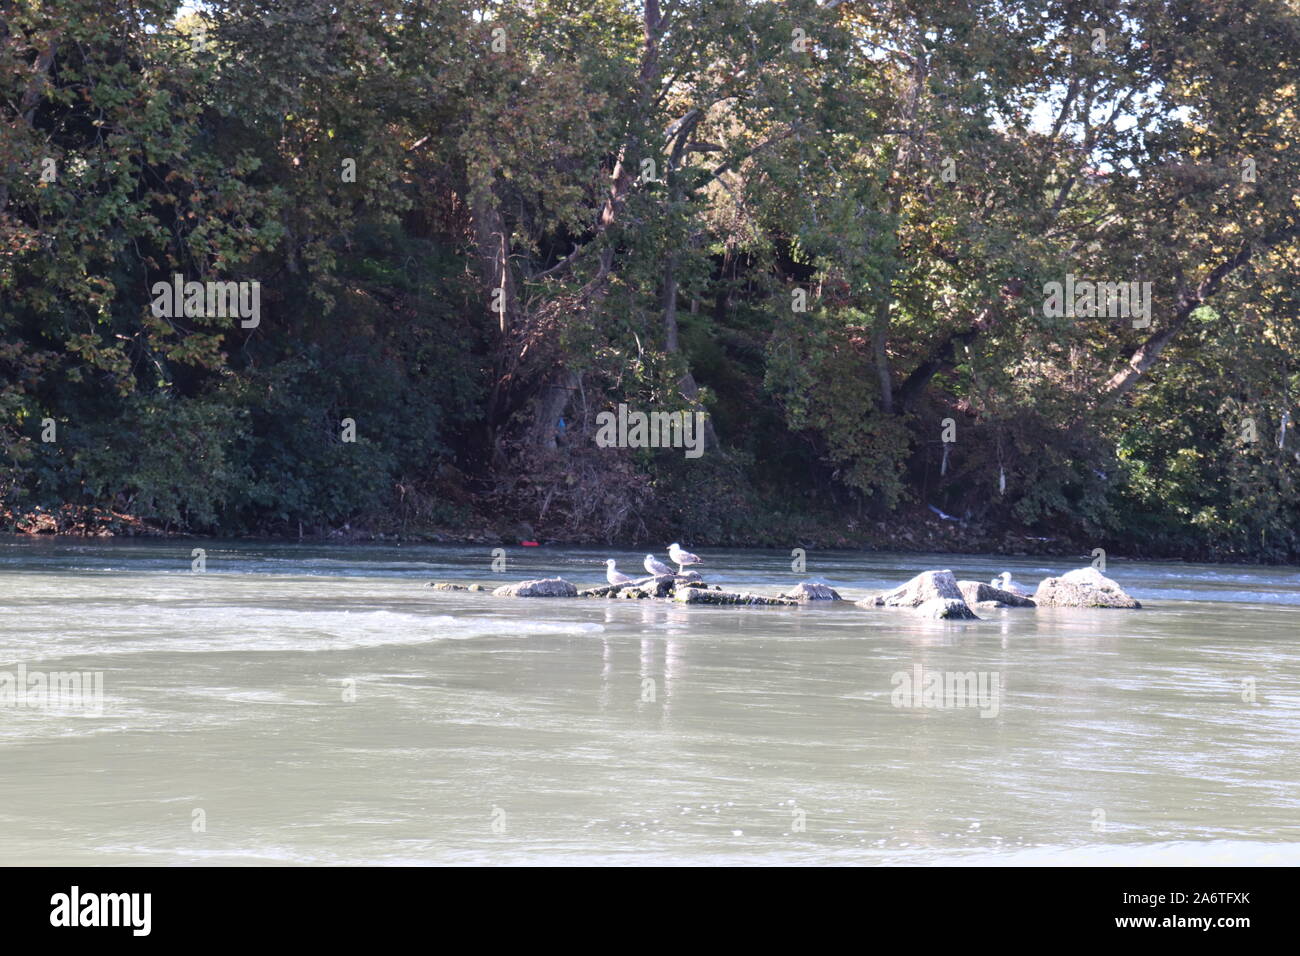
column 470, row 225
column 820, row 373
column 172, row 462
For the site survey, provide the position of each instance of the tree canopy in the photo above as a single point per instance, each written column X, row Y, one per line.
column 828, row 226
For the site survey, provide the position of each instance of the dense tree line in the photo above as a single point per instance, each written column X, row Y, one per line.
column 828, row 225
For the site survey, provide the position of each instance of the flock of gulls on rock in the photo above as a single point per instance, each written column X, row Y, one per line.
column 684, row 559
column 937, row 594
column 653, row 565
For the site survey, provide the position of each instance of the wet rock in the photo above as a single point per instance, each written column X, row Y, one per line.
column 657, row 587
column 979, row 594
column 700, row 595
column 807, row 591
column 931, row 593
column 447, row 586
column 544, row 587
column 661, row 586
column 946, row 609
column 926, row 586
column 1084, row 587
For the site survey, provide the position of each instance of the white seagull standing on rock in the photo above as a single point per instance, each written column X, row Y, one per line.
column 1004, row 582
column 613, row 576
column 656, row 567
column 682, row 558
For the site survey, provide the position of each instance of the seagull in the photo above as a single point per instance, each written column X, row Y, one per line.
column 1004, row 582
column 942, row 514
column 656, row 567
column 682, row 558
column 613, row 576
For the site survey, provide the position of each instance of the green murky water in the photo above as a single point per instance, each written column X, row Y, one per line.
column 313, row 704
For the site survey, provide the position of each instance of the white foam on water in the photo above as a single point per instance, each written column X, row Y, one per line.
column 1216, row 596
column 238, row 628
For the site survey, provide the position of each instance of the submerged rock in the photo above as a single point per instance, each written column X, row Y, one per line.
column 977, row 593
column 660, row 587
column 702, row 595
column 807, row 591
column 447, row 586
column 544, row 587
column 931, row 593
column 1085, row 587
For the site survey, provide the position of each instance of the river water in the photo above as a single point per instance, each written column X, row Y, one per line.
column 297, row 704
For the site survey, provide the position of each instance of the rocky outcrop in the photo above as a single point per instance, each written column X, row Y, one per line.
column 926, row 586
column 1085, row 587
column 699, row 595
column 933, row 594
column 807, row 591
column 685, row 588
column 661, row 586
column 977, row 593
column 544, row 587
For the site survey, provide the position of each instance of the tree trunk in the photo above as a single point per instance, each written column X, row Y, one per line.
column 884, row 297
column 880, row 356
column 553, row 401
column 1146, row 354
column 551, row 406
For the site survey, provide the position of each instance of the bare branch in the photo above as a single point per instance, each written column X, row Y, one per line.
column 1146, row 354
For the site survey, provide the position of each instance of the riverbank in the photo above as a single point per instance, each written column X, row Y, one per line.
column 919, row 531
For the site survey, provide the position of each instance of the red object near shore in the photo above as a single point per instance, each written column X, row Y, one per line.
column 530, row 544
